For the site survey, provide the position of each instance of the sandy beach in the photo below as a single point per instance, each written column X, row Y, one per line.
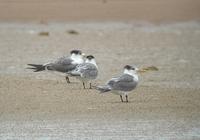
column 42, row 106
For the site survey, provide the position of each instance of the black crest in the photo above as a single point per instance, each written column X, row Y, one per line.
column 90, row 57
column 76, row 52
column 128, row 67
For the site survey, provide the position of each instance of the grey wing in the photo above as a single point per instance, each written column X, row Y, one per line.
column 63, row 64
column 87, row 70
column 122, row 83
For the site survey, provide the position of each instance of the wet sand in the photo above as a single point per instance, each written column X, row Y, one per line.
column 165, row 104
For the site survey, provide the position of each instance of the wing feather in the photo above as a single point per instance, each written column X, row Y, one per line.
column 123, row 83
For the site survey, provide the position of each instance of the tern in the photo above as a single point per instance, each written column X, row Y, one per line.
column 86, row 72
column 62, row 65
column 122, row 84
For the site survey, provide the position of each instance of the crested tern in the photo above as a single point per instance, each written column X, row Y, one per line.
column 122, row 84
column 62, row 65
column 86, row 72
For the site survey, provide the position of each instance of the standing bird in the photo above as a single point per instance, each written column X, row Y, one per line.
column 123, row 84
column 86, row 72
column 62, row 65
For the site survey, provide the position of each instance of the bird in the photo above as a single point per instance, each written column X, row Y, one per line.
column 62, row 65
column 122, row 84
column 86, row 72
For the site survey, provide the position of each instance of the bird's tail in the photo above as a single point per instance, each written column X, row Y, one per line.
column 102, row 89
column 36, row 67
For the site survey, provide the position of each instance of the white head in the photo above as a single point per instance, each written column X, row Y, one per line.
column 77, row 56
column 131, row 71
column 91, row 59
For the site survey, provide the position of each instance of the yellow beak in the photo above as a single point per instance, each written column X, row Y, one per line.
column 141, row 70
column 150, row 68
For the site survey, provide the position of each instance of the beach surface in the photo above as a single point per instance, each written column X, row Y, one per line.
column 165, row 104
column 42, row 106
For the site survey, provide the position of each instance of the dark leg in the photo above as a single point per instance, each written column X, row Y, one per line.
column 67, row 79
column 83, row 85
column 127, row 98
column 121, row 98
column 90, row 85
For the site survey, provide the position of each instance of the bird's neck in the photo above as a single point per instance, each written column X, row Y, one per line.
column 91, row 62
column 77, row 59
column 132, row 73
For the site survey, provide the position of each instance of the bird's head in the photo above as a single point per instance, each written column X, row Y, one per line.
column 131, row 70
column 77, row 56
column 90, row 59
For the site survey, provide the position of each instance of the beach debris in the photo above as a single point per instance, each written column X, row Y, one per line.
column 43, row 34
column 73, row 32
column 150, row 68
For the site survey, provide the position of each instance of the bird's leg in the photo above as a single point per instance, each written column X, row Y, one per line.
column 67, row 79
column 121, row 98
column 83, row 85
column 127, row 98
column 90, row 85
